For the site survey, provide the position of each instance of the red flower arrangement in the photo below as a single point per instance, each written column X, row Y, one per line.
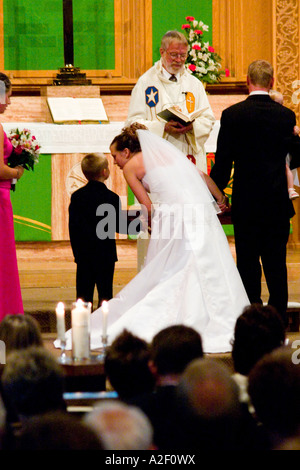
column 202, row 61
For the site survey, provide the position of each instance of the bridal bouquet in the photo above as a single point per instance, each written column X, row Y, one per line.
column 202, row 61
column 25, row 151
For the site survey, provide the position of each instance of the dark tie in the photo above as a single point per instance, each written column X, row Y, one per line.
column 173, row 78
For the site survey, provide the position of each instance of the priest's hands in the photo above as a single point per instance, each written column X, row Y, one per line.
column 175, row 128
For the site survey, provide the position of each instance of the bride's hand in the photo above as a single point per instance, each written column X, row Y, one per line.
column 223, row 204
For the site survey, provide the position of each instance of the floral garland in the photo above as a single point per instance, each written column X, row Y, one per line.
column 202, row 61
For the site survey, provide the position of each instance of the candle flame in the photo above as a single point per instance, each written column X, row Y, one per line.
column 60, row 308
column 104, row 306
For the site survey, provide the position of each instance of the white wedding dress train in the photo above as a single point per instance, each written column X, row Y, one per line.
column 189, row 276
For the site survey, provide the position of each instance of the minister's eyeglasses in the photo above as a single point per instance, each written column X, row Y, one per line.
column 174, row 55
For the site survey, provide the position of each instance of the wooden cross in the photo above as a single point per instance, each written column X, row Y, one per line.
column 68, row 32
column 69, row 75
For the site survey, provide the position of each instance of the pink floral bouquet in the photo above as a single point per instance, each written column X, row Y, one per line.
column 25, row 152
column 202, row 61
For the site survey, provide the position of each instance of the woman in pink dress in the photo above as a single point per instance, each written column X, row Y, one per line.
column 10, row 291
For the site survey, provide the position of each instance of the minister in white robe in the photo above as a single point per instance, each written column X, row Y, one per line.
column 157, row 90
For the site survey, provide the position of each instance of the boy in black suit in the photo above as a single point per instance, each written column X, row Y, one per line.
column 95, row 215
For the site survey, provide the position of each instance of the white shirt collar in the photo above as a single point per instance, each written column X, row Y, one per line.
column 168, row 75
column 259, row 92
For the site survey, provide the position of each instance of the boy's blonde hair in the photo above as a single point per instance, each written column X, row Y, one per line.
column 93, row 164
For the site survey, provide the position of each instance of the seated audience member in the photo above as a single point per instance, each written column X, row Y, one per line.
column 57, row 431
column 258, row 331
column 274, row 390
column 20, row 332
column 209, row 412
column 32, row 383
column 172, row 349
column 126, row 366
column 120, row 426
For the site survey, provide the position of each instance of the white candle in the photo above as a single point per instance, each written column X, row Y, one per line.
column 80, row 316
column 89, row 307
column 60, row 321
column 104, row 306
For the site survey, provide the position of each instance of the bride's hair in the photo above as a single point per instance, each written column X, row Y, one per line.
column 4, row 78
column 128, row 139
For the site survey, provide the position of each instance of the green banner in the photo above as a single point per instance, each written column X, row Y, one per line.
column 33, row 34
column 171, row 14
column 32, row 203
column 94, row 34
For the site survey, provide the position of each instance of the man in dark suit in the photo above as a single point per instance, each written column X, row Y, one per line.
column 256, row 135
column 95, row 215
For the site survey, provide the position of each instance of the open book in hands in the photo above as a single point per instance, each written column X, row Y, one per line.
column 172, row 114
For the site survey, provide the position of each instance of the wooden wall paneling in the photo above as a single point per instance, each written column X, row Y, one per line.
column 242, row 32
column 148, row 35
column 286, row 45
column 223, row 35
column 128, row 55
column 256, row 32
column 27, row 109
column 137, row 34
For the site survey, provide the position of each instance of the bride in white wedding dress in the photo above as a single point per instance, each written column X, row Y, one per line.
column 189, row 276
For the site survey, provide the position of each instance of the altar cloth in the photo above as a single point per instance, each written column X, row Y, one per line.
column 83, row 138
